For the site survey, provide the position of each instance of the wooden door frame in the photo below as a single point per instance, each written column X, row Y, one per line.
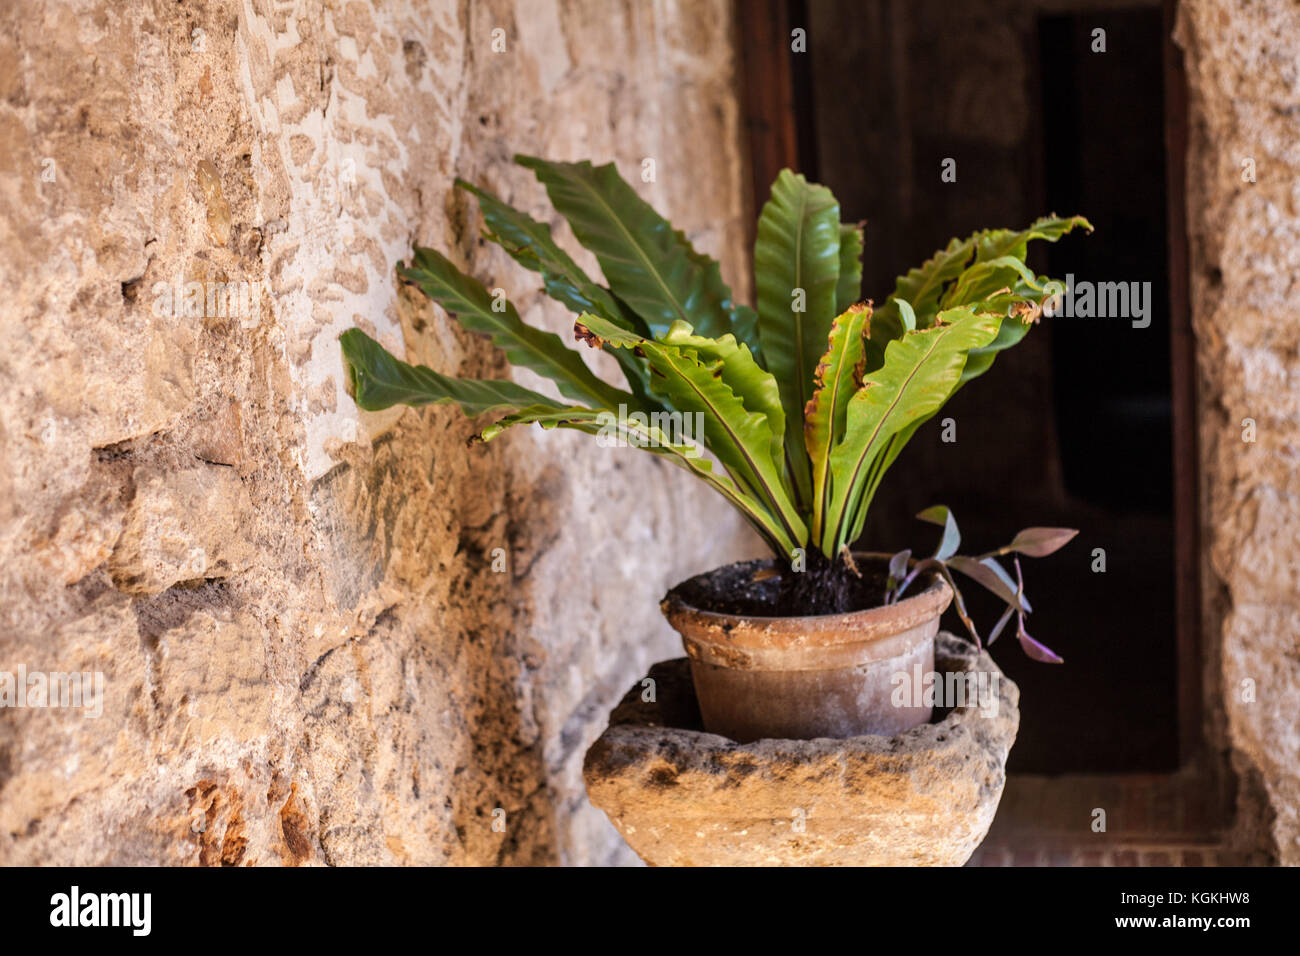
column 777, row 136
column 1182, row 356
column 769, row 81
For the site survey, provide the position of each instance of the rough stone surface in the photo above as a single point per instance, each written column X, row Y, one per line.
column 307, row 655
column 1244, row 85
column 319, row 665
column 683, row 797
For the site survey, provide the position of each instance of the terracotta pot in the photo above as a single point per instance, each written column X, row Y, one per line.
column 799, row 678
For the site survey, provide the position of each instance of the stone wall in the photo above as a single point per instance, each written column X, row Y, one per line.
column 307, row 655
column 1244, row 84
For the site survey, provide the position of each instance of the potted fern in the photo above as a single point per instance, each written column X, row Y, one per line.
column 793, row 412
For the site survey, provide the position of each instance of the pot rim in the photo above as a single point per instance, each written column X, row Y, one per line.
column 912, row 610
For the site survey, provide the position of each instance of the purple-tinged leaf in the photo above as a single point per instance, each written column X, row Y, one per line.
column 1039, row 652
column 1020, row 586
column 958, row 602
column 951, row 541
column 898, row 565
column 993, row 576
column 1040, row 542
column 1002, row 623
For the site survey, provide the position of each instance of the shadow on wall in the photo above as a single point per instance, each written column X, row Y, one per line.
column 449, row 665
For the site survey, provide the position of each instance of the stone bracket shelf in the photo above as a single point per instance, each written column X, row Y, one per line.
column 683, row 797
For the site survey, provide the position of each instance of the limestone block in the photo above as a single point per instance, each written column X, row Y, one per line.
column 179, row 529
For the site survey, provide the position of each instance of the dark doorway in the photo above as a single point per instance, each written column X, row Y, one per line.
column 1074, row 426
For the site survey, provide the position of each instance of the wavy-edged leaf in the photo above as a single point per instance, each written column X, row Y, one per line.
column 848, row 289
column 648, row 264
column 797, row 269
column 542, row 352
column 755, row 386
column 1013, row 329
column 530, row 243
column 738, row 436
column 995, row 243
column 984, row 279
column 1022, row 305
column 547, row 416
column 1022, row 310
column 921, row 287
column 920, row 371
column 649, row 437
column 823, row 418
column 924, row 287
column 378, row 380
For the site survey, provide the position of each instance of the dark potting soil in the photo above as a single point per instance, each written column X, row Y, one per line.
column 758, row 589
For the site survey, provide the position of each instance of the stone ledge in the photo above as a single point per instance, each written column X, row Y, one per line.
column 683, row 797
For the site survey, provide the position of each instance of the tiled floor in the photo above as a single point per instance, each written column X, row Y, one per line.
column 1149, row 820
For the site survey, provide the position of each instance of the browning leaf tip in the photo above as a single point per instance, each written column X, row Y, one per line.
column 583, row 334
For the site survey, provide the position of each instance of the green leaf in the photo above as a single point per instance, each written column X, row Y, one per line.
column 981, row 360
column 547, row 416
column 924, row 287
column 755, row 386
column 744, row 322
column 823, row 419
column 920, row 371
column 642, row 432
column 921, row 288
column 649, row 265
column 984, row 279
column 906, row 315
column 1022, row 306
column 543, row 352
column 995, row 243
column 978, row 361
column 378, row 380
column 997, row 282
column 848, row 289
column 797, row 265
column 530, row 243
column 740, row 438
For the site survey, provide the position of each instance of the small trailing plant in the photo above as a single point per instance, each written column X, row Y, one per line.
column 984, row 569
column 806, row 400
